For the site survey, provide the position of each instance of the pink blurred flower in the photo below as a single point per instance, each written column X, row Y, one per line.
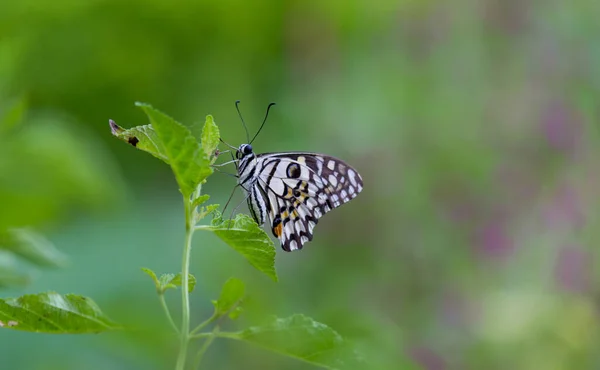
column 493, row 241
column 564, row 210
column 561, row 127
column 426, row 358
column 573, row 269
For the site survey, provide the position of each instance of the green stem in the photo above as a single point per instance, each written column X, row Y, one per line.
column 220, row 334
column 205, row 323
column 163, row 303
column 207, row 342
column 185, row 300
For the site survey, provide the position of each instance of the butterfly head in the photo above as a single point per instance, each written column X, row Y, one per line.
column 243, row 151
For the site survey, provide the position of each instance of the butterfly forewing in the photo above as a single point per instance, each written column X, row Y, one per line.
column 294, row 190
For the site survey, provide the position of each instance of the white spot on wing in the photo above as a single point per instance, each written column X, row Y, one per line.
column 293, row 245
column 319, row 165
column 352, row 177
column 331, row 165
column 332, row 180
column 344, row 195
column 277, row 186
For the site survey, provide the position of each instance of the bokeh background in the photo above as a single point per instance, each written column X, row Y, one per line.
column 475, row 125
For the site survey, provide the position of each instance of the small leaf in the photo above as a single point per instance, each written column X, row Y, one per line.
column 200, row 200
column 32, row 246
column 141, row 137
column 185, row 155
column 54, row 313
column 231, row 294
column 154, row 278
column 303, row 338
column 191, row 281
column 205, row 211
column 235, row 313
column 210, row 136
column 165, row 281
column 248, row 239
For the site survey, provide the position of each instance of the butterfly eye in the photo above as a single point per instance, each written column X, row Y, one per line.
column 247, row 149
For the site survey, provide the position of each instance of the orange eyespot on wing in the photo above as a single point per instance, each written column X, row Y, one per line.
column 277, row 230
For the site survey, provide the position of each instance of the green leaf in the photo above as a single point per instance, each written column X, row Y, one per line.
column 303, row 338
column 248, row 239
column 141, row 137
column 169, row 281
column 176, row 281
column 48, row 166
column 165, row 282
column 171, row 142
column 235, row 313
column 210, row 136
column 154, row 278
column 54, row 313
column 11, row 113
column 200, row 200
column 231, row 294
column 205, row 211
column 185, row 155
column 32, row 246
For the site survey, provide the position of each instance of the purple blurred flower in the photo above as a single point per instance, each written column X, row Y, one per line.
column 573, row 269
column 493, row 241
column 456, row 310
column 564, row 210
column 561, row 127
column 428, row 359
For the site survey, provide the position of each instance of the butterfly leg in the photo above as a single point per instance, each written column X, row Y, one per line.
column 230, row 197
column 227, row 173
column 224, row 164
column 236, row 208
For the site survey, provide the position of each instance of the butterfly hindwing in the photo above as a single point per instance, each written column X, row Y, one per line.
column 298, row 189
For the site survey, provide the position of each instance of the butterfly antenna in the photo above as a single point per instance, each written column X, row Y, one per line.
column 237, row 102
column 263, row 123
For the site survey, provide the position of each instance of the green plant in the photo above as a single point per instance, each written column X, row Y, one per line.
column 39, row 178
column 191, row 152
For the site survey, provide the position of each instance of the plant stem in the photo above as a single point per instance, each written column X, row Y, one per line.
column 185, row 300
column 202, row 325
column 219, row 334
column 163, row 303
column 207, row 342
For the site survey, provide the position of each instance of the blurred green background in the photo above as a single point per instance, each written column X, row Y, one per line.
column 473, row 123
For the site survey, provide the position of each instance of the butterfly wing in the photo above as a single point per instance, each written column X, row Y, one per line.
column 299, row 188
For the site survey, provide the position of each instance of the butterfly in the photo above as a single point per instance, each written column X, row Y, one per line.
column 293, row 190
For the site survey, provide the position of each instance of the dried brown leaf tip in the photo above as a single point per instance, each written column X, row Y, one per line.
column 114, row 128
column 118, row 130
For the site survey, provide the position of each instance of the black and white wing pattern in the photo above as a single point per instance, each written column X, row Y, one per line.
column 293, row 190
